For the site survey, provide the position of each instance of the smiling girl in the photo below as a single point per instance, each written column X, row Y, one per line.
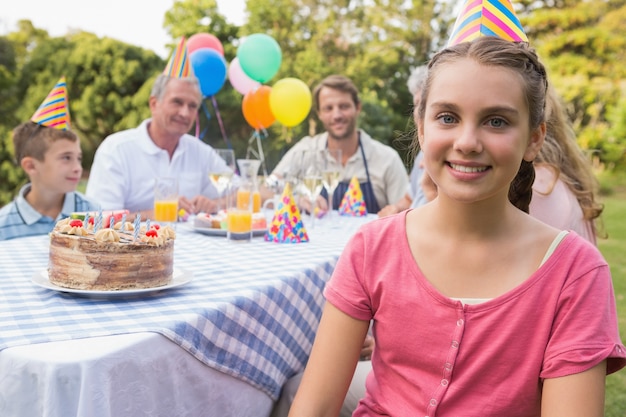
column 477, row 307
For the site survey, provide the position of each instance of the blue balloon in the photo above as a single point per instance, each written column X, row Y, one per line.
column 209, row 67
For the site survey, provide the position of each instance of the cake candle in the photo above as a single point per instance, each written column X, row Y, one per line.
column 111, row 222
column 98, row 222
column 86, row 221
column 123, row 222
column 136, row 225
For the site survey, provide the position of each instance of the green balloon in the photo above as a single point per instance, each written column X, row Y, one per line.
column 259, row 57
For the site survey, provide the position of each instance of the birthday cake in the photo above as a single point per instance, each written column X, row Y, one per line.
column 90, row 257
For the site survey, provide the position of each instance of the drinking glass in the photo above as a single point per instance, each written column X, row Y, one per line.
column 166, row 200
column 221, row 177
column 332, row 167
column 312, row 177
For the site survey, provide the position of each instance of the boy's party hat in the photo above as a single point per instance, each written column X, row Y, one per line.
column 487, row 18
column 54, row 111
column 179, row 65
column 286, row 225
column 352, row 203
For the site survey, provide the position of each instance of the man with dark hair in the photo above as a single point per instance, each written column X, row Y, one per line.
column 378, row 167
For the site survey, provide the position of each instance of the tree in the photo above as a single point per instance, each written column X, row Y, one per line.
column 583, row 44
column 105, row 80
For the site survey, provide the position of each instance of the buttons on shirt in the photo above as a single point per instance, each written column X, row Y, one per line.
column 444, row 382
column 460, row 322
column 433, row 402
column 455, row 344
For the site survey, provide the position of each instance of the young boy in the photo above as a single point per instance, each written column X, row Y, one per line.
column 50, row 155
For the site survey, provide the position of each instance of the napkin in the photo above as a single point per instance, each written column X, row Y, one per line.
column 54, row 111
column 352, row 203
column 286, row 225
column 487, row 18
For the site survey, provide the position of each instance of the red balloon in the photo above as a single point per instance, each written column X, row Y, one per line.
column 256, row 108
column 204, row 40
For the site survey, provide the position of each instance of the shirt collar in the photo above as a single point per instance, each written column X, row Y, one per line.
column 32, row 216
column 148, row 146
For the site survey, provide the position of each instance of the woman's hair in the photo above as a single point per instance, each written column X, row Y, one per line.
column 561, row 152
column 33, row 140
column 518, row 57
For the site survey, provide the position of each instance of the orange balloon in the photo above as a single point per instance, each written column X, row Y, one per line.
column 256, row 108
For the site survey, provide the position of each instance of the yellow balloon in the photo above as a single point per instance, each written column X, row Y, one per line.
column 290, row 101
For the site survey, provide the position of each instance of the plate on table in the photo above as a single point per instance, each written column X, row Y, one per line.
column 222, row 232
column 180, row 277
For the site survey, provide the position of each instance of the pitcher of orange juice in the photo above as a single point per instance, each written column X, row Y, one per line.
column 249, row 188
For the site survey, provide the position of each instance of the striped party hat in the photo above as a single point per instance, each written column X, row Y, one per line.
column 179, row 65
column 54, row 112
column 487, row 18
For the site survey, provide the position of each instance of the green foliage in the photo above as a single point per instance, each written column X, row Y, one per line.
column 374, row 42
column 583, row 44
column 613, row 249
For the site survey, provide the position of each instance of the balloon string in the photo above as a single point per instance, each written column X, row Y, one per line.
column 219, row 120
column 208, row 117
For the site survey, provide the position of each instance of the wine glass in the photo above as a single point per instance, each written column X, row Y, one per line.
column 332, row 166
column 312, row 177
column 222, row 174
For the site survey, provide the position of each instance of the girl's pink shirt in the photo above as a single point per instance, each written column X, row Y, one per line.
column 436, row 356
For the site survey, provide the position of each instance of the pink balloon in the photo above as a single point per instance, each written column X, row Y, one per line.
column 204, row 40
column 239, row 80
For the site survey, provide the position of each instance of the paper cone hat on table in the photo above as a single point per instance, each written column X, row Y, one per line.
column 352, row 203
column 487, row 18
column 54, row 111
column 179, row 65
column 286, row 225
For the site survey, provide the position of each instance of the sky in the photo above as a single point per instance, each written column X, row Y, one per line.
column 137, row 22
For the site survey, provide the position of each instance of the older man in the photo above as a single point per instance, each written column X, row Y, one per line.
column 127, row 162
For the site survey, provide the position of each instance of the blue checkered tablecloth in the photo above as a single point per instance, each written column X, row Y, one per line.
column 251, row 310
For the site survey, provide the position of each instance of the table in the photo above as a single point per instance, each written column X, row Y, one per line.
column 221, row 345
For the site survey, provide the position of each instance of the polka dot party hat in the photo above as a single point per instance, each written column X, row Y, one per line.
column 352, row 203
column 286, row 225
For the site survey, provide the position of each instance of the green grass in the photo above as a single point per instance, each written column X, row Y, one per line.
column 614, row 250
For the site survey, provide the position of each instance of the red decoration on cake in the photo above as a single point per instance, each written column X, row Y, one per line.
column 76, row 223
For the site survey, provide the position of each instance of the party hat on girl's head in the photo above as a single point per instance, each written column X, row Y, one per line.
column 286, row 226
column 54, row 111
column 352, row 203
column 179, row 65
column 487, row 18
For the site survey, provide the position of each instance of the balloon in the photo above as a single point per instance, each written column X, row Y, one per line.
column 204, row 40
column 256, row 108
column 209, row 67
column 290, row 101
column 239, row 80
column 260, row 57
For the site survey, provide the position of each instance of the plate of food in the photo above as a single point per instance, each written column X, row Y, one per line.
column 179, row 278
column 215, row 224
